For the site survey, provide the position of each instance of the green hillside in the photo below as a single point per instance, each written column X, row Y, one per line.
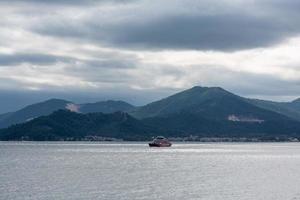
column 199, row 111
column 106, row 107
column 64, row 124
column 33, row 111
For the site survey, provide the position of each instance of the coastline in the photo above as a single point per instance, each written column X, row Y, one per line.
column 175, row 140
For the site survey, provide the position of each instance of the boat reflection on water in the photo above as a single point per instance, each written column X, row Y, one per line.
column 160, row 141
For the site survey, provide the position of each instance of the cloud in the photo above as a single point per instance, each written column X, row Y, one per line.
column 111, row 61
column 221, row 33
column 216, row 26
column 34, row 59
column 144, row 50
column 64, row 2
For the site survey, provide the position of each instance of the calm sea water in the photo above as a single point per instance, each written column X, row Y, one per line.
column 33, row 170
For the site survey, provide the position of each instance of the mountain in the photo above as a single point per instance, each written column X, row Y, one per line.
column 185, row 100
column 211, row 103
column 5, row 115
column 290, row 109
column 295, row 105
column 199, row 111
column 49, row 106
column 212, row 112
column 64, row 125
column 32, row 111
column 106, row 107
column 186, row 124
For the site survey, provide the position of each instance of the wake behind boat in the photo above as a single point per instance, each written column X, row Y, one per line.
column 160, row 141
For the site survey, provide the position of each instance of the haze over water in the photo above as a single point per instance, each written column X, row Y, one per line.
column 126, row 171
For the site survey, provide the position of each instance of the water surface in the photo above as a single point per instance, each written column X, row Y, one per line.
column 128, row 171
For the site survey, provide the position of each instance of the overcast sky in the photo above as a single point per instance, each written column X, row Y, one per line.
column 143, row 50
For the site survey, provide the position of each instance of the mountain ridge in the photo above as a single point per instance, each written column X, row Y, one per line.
column 201, row 100
column 199, row 111
column 108, row 106
column 47, row 107
column 67, row 125
column 290, row 109
column 33, row 111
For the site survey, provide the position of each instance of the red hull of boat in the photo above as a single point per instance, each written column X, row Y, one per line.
column 159, row 145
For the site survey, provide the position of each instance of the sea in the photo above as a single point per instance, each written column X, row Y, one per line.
column 129, row 171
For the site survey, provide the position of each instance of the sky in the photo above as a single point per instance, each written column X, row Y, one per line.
column 144, row 50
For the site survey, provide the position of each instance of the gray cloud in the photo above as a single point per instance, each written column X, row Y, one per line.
column 222, row 32
column 35, row 59
column 262, row 24
column 111, row 63
column 103, row 61
column 95, row 50
column 64, row 2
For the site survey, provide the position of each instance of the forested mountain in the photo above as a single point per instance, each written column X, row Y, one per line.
column 199, row 111
column 109, row 106
column 30, row 112
column 290, row 109
column 64, row 124
column 47, row 107
column 210, row 103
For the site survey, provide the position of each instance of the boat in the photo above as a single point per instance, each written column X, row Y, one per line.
column 160, row 141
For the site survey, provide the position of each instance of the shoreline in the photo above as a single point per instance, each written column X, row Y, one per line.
column 139, row 141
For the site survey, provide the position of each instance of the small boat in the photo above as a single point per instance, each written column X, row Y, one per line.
column 160, row 141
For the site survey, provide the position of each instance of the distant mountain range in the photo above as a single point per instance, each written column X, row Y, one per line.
column 215, row 112
column 290, row 109
column 47, row 107
column 30, row 112
column 199, row 111
column 67, row 125
column 106, row 107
